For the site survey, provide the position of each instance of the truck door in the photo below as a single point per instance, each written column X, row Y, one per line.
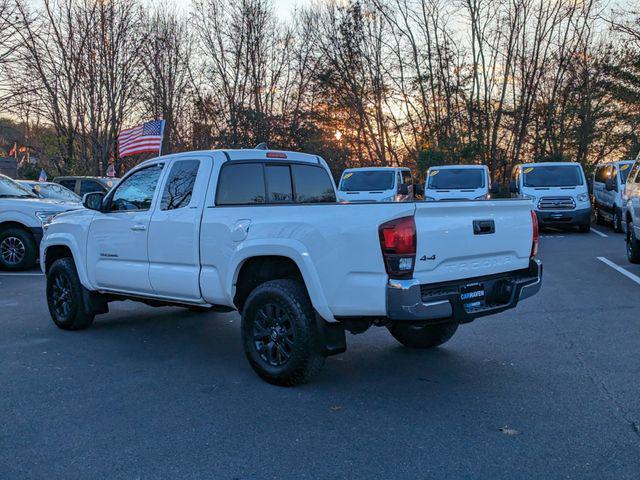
column 174, row 231
column 117, row 253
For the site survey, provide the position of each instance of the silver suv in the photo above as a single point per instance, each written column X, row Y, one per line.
column 631, row 200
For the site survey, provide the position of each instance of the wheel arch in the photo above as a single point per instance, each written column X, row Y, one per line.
column 256, row 264
column 58, row 246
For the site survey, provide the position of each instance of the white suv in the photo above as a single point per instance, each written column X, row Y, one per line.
column 608, row 187
column 22, row 215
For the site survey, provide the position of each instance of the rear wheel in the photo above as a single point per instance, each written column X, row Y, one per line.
column 422, row 336
column 65, row 296
column 279, row 333
column 633, row 245
column 17, row 249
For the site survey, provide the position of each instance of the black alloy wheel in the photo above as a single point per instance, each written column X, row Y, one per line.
column 273, row 335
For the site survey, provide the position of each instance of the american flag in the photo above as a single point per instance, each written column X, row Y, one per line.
column 141, row 138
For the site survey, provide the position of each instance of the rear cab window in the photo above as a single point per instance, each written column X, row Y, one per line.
column 259, row 183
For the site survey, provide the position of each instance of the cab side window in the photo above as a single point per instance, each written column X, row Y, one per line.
column 179, row 187
column 406, row 177
column 70, row 184
column 602, row 173
column 90, row 186
column 241, row 184
column 135, row 192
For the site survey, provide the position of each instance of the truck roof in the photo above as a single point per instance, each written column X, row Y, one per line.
column 247, row 154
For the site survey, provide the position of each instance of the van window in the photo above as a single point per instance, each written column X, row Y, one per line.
column 625, row 169
column 552, row 176
column 179, row 187
column 406, row 177
column 367, row 181
column 602, row 173
column 241, row 184
column 312, row 185
column 456, row 179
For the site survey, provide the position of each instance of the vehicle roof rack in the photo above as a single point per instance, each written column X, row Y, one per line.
column 261, row 146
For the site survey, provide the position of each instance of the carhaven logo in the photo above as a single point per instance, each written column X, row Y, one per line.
column 477, row 265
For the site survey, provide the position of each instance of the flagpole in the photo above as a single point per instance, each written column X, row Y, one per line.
column 164, row 122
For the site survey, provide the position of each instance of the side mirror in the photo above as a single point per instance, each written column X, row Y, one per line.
column 418, row 189
column 403, row 189
column 495, row 189
column 93, row 200
column 513, row 187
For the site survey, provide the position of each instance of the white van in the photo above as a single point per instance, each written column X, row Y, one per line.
column 608, row 188
column 376, row 184
column 558, row 192
column 458, row 182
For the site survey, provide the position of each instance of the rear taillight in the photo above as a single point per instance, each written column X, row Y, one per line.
column 398, row 244
column 534, row 242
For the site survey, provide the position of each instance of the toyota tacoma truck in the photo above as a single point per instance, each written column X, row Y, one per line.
column 261, row 232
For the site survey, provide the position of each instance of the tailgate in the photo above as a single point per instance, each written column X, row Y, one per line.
column 459, row 240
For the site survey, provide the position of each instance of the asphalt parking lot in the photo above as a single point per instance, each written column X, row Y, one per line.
column 549, row 390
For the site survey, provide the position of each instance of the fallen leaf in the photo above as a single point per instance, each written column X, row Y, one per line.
column 509, row 431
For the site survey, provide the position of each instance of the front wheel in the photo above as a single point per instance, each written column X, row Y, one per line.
column 18, row 250
column 65, row 297
column 586, row 228
column 279, row 333
column 422, row 336
column 633, row 245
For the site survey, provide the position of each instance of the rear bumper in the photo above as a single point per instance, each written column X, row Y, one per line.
column 407, row 300
column 564, row 217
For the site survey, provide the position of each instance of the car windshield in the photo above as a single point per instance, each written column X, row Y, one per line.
column 367, row 180
column 625, row 168
column 552, row 176
column 12, row 189
column 55, row 191
column 456, row 179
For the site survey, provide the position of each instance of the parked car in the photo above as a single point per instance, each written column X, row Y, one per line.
column 376, row 184
column 631, row 212
column 50, row 190
column 261, row 231
column 608, row 187
column 22, row 215
column 458, row 182
column 558, row 192
column 82, row 185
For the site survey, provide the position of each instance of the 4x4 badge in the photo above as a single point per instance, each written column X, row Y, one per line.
column 424, row 258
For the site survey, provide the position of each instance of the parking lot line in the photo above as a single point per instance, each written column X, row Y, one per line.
column 623, row 271
column 598, row 232
column 20, row 274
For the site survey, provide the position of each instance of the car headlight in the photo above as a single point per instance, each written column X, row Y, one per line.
column 481, row 197
column 583, row 197
column 429, row 199
column 46, row 217
column 388, row 199
column 529, row 197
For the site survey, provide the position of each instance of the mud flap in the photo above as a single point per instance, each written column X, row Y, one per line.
column 331, row 336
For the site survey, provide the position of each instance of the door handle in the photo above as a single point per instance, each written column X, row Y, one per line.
column 138, row 228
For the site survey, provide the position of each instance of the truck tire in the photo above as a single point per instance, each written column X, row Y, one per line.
column 633, row 245
column 598, row 216
column 422, row 336
column 18, row 249
column 65, row 296
column 617, row 220
column 279, row 333
column 585, row 228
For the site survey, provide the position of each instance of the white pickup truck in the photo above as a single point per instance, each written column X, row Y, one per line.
column 260, row 231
